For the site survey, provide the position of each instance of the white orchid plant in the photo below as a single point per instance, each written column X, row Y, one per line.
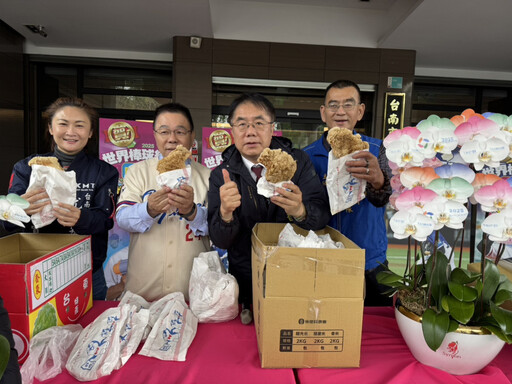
column 441, row 171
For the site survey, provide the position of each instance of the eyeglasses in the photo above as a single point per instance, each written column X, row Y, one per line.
column 258, row 125
column 347, row 106
column 178, row 132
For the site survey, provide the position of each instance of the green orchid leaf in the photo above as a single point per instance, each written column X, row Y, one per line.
column 5, row 352
column 461, row 292
column 504, row 292
column 388, row 277
column 438, row 277
column 463, row 276
column 499, row 333
column 459, row 310
column 479, row 287
column 435, row 326
column 503, row 317
column 453, row 326
column 444, row 304
column 491, row 281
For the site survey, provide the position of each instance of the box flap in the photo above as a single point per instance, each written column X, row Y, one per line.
column 308, row 272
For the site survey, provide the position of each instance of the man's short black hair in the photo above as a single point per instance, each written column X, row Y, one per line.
column 255, row 98
column 343, row 84
column 174, row 108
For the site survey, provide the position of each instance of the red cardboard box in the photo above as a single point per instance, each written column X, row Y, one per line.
column 45, row 280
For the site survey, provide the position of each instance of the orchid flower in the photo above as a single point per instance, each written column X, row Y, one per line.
column 401, row 147
column 451, row 170
column 482, row 151
column 412, row 132
column 417, row 177
column 12, row 209
column 437, row 136
column 495, row 197
column 482, row 180
column 499, row 226
column 432, row 163
column 416, row 197
column 475, row 126
column 396, row 184
column 504, row 122
column 456, row 188
column 445, row 212
column 411, row 222
column 465, row 116
column 436, row 140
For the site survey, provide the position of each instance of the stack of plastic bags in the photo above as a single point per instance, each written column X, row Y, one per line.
column 167, row 325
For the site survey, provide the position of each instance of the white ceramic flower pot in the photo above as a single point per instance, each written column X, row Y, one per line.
column 463, row 352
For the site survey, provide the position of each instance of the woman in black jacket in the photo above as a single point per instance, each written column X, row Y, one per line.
column 71, row 123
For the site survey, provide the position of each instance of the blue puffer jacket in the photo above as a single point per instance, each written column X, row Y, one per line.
column 362, row 223
column 95, row 196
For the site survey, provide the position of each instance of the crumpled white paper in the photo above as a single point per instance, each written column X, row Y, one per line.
column 107, row 343
column 289, row 238
column 49, row 351
column 172, row 333
column 174, row 179
column 60, row 187
column 343, row 189
column 213, row 292
column 268, row 189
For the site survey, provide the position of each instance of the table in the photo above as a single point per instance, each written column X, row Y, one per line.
column 228, row 353
column 220, row 353
column 385, row 358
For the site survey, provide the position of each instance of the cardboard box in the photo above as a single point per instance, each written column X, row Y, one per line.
column 308, row 303
column 49, row 275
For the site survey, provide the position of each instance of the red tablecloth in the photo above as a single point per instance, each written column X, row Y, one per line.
column 220, row 353
column 228, row 353
column 385, row 358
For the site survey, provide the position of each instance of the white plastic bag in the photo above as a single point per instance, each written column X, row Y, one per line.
column 49, row 351
column 172, row 333
column 343, row 189
column 60, row 187
column 107, row 343
column 213, row 292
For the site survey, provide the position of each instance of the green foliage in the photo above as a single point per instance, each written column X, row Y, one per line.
column 46, row 318
column 458, row 297
column 5, row 352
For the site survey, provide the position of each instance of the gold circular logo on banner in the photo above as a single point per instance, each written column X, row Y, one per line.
column 121, row 134
column 219, row 140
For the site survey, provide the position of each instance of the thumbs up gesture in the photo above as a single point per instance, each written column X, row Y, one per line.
column 230, row 198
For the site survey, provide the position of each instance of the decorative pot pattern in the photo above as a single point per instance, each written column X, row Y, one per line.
column 463, row 352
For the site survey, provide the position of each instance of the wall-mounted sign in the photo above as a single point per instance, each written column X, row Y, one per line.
column 394, row 107
column 395, row 82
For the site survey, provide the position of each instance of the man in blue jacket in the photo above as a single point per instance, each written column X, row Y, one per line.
column 234, row 205
column 364, row 222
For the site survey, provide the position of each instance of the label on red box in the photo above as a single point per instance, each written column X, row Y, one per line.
column 58, row 270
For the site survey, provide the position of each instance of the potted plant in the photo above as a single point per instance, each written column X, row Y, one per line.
column 441, row 168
